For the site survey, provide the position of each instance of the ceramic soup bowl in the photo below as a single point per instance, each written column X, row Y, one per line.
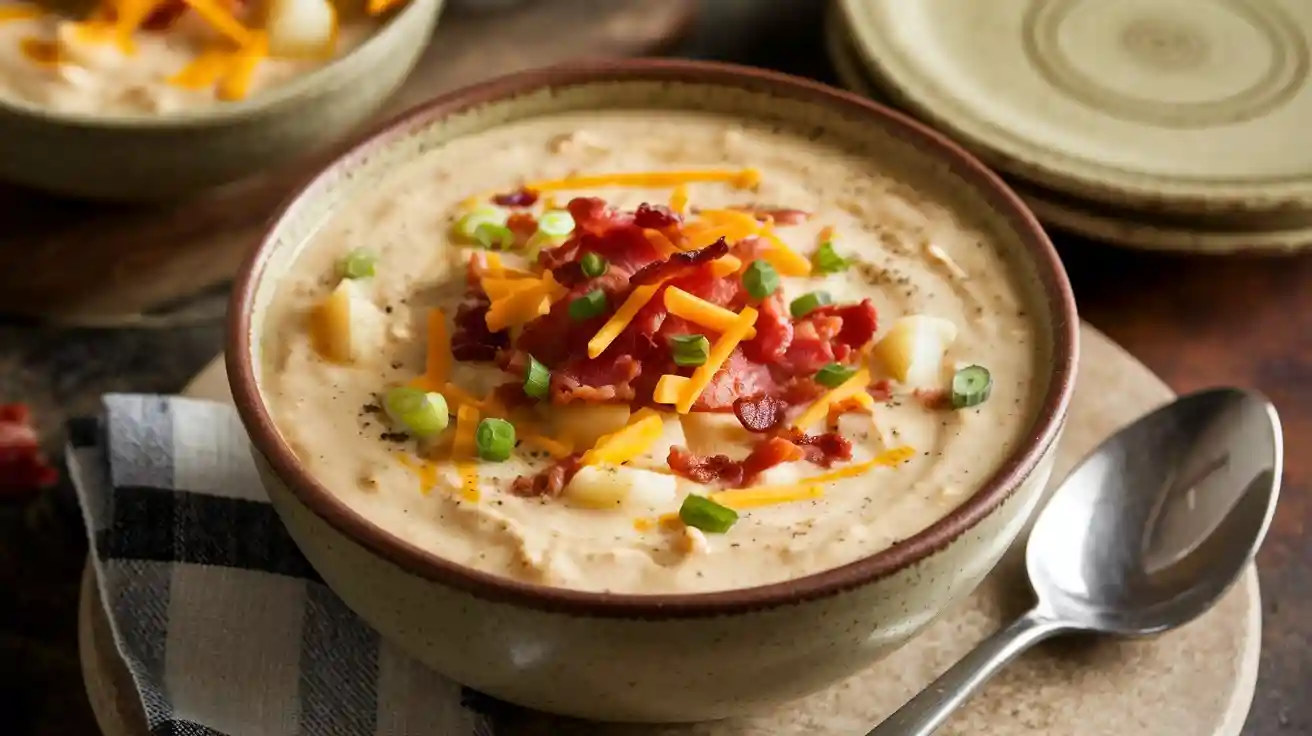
column 631, row 657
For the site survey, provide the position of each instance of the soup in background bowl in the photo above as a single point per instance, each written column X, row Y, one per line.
column 157, row 100
column 653, row 391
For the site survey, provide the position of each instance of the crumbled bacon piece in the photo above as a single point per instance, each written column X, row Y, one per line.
column 933, row 398
column 593, row 215
column 523, row 225
column 22, row 466
column 738, row 377
column 596, row 381
column 522, row 197
column 860, row 321
column 705, row 469
column 679, row 263
column 774, row 333
column 881, row 390
column 829, row 334
column 759, row 414
column 550, row 482
column 781, row 216
column 656, row 217
column 471, row 339
column 821, row 449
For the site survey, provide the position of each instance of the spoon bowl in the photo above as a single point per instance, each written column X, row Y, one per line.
column 1145, row 535
column 1150, row 530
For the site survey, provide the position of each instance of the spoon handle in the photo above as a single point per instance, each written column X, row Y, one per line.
column 924, row 713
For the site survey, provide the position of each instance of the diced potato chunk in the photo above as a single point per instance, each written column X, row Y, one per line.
column 346, row 326
column 601, row 487
column 913, row 350
column 715, row 433
column 657, row 455
column 301, row 28
column 584, row 424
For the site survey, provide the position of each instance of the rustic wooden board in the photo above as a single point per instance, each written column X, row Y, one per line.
column 82, row 262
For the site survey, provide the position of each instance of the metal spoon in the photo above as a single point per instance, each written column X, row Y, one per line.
column 1145, row 535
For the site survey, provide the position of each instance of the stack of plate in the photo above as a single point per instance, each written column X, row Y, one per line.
column 1169, row 124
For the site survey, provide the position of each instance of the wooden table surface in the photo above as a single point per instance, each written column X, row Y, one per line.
column 1196, row 322
column 1246, row 322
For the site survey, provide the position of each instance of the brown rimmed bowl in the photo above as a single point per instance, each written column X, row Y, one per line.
column 625, row 657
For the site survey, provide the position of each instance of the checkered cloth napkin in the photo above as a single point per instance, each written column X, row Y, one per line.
column 224, row 626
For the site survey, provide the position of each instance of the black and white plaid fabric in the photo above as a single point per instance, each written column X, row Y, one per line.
column 224, row 625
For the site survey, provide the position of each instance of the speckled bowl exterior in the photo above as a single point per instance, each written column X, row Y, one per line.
column 628, row 657
column 161, row 158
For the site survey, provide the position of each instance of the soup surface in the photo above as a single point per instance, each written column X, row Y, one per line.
column 650, row 353
column 168, row 56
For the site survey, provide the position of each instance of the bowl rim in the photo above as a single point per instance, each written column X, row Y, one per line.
column 224, row 113
column 427, row 565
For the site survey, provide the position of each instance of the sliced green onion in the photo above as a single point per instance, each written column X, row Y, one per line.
column 971, row 386
column 703, row 513
column 421, row 414
column 760, row 279
column 690, row 350
column 537, row 381
column 593, row 265
column 807, row 303
column 834, row 375
column 494, row 237
column 588, row 306
column 826, row 259
column 556, row 223
column 495, row 439
column 467, row 226
column 358, row 264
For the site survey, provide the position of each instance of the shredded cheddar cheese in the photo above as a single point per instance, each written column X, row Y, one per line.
column 857, row 402
column 701, row 312
column 820, row 408
column 745, row 498
column 679, row 199
column 468, row 481
column 519, row 308
column 725, row 266
column 669, row 388
column 626, row 443
column 204, row 71
column 236, row 84
column 786, row 261
column 437, row 363
column 720, row 351
column 500, row 288
column 553, row 447
column 19, row 12
column 425, row 471
column 740, row 179
column 378, row 7
column 40, row 51
column 462, row 448
column 887, row 458
column 636, row 300
column 808, row 488
column 494, row 265
column 664, row 248
column 458, row 398
column 222, row 21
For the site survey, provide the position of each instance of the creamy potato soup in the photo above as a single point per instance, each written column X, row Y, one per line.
column 650, row 353
column 167, row 56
